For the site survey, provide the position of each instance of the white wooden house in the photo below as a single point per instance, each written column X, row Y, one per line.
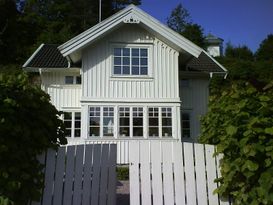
column 127, row 78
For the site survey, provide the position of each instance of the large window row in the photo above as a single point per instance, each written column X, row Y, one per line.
column 130, row 122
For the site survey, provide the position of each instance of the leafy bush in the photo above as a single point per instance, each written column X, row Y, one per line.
column 29, row 125
column 240, row 124
column 122, row 173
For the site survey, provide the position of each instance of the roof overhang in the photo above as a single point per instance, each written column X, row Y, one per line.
column 129, row 15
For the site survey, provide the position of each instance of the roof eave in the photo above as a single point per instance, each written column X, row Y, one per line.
column 89, row 36
column 33, row 55
column 37, row 69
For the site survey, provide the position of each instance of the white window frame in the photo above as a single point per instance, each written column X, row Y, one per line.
column 116, row 125
column 73, row 123
column 101, row 126
column 130, row 46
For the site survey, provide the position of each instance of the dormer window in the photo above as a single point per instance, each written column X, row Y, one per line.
column 132, row 61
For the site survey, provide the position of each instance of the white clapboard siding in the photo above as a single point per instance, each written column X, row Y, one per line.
column 173, row 173
column 80, row 174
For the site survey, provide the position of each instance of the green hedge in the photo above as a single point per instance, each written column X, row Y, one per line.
column 240, row 123
column 29, row 125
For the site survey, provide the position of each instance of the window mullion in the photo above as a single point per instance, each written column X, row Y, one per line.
column 116, row 121
column 131, row 122
column 72, row 124
column 145, row 122
column 160, row 122
column 130, row 59
column 101, row 122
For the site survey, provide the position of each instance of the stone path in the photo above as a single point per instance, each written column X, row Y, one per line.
column 123, row 193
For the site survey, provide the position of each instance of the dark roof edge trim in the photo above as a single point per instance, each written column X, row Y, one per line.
column 35, row 69
column 33, row 55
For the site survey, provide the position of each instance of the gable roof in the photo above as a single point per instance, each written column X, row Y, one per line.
column 47, row 56
column 130, row 14
column 54, row 56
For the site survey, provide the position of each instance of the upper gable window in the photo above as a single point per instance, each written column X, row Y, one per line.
column 131, row 61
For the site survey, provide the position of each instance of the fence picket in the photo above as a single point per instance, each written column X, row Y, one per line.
column 87, row 174
column 78, row 175
column 189, row 173
column 49, row 176
column 111, row 200
column 211, row 174
column 156, row 173
column 69, row 175
column 178, row 174
column 222, row 201
column 201, row 187
column 145, row 173
column 96, row 174
column 134, row 173
column 59, row 175
column 167, row 173
column 104, row 174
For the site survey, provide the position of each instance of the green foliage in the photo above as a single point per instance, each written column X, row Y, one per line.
column 29, row 125
column 122, row 173
column 265, row 50
column 179, row 21
column 240, row 52
column 240, row 124
column 179, row 18
column 47, row 21
column 194, row 33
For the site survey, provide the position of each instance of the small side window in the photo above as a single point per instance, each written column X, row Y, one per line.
column 78, row 79
column 185, row 83
column 68, row 80
column 186, row 125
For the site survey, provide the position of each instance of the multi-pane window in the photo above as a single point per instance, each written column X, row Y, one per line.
column 68, row 123
column 70, row 80
column 108, row 121
column 153, row 122
column 77, row 124
column 166, row 122
column 72, row 122
column 137, row 122
column 185, row 125
column 124, row 121
column 130, row 61
column 94, row 121
column 128, row 122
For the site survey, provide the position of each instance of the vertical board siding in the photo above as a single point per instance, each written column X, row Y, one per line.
column 97, row 68
column 61, row 95
column 173, row 174
column 195, row 100
column 76, row 175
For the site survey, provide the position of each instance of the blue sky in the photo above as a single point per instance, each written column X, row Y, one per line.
column 241, row 22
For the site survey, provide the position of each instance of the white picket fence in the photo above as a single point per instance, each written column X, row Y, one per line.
column 161, row 173
column 122, row 146
column 80, row 174
column 173, row 173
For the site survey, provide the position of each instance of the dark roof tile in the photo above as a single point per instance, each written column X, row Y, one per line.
column 48, row 57
column 203, row 64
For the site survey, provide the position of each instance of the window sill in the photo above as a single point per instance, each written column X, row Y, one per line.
column 132, row 78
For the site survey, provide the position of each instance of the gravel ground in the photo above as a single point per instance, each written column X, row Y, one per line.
column 123, row 193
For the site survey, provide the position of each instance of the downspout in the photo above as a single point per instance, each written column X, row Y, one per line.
column 40, row 72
